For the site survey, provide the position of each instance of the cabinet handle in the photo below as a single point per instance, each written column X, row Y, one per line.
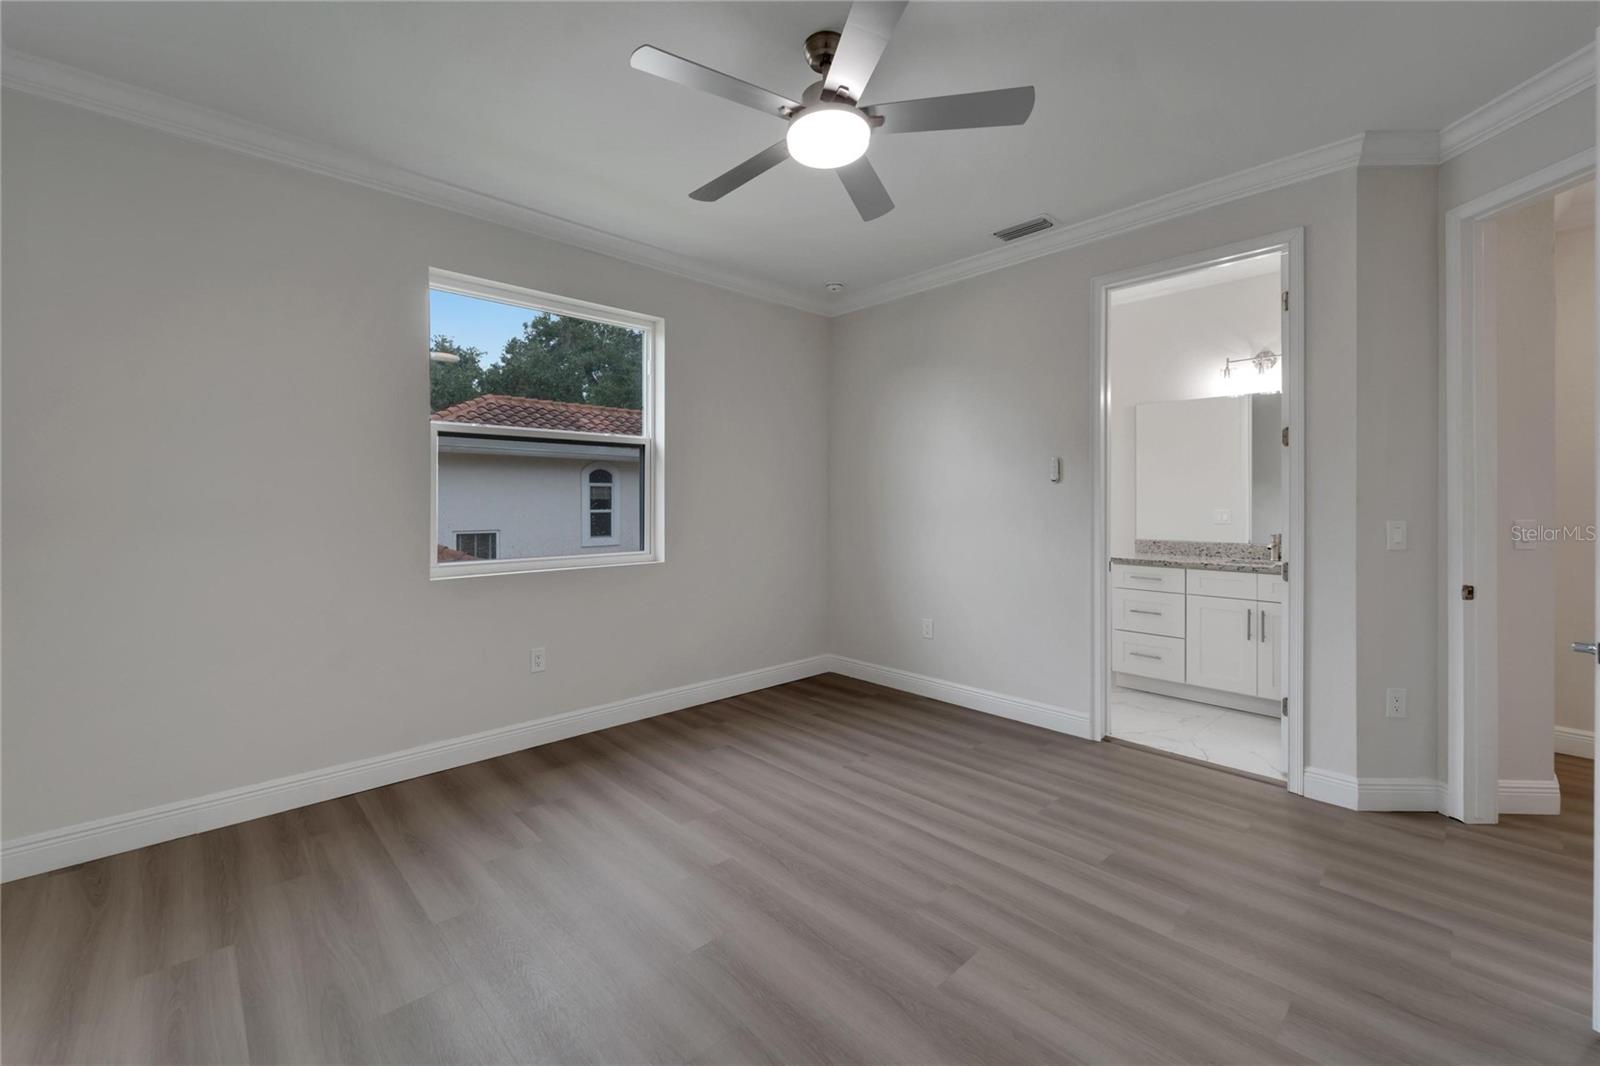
column 1140, row 610
column 1143, row 655
column 1263, row 625
column 1144, row 577
column 1249, row 616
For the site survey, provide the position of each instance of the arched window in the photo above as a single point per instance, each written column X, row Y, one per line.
column 599, row 502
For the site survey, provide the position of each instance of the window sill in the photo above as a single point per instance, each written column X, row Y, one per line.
column 489, row 567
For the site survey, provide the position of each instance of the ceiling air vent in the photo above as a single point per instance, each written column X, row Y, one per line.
column 1025, row 229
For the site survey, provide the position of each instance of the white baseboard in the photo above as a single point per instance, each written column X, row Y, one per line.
column 53, row 849
column 1373, row 793
column 1579, row 742
column 1530, row 797
column 1046, row 715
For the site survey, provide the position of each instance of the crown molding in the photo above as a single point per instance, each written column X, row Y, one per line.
column 70, row 85
column 1289, row 170
column 1547, row 88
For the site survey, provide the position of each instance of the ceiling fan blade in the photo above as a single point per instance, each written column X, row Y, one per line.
column 861, row 43
column 865, row 189
column 963, row 111
column 751, row 168
column 653, row 60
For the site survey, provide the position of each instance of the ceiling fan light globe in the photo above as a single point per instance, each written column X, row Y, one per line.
column 828, row 137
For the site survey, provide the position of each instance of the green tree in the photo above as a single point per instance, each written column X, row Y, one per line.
column 450, row 383
column 572, row 360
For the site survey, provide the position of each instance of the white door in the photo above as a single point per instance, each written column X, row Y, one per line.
column 1269, row 651
column 1594, row 980
column 1278, row 638
column 1221, row 644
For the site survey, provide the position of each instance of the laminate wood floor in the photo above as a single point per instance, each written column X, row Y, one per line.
column 822, row 872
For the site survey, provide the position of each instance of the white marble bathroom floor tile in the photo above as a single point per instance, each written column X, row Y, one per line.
column 1236, row 739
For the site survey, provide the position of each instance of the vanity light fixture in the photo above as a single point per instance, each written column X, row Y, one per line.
column 1263, row 360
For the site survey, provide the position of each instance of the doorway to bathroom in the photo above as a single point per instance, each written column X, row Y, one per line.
column 1199, row 533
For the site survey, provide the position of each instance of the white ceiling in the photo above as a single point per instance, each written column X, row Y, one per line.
column 535, row 103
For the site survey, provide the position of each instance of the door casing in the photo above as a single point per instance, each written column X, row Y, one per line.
column 1291, row 243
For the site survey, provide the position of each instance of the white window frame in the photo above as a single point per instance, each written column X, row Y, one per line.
column 586, row 506
column 652, row 465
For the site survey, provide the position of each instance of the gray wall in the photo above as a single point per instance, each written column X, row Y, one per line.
column 945, row 408
column 1397, row 468
column 1521, row 258
column 202, row 349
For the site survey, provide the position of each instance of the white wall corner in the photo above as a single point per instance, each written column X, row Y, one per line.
column 1549, row 87
column 1579, row 742
column 1400, row 148
column 1530, row 797
column 1046, row 715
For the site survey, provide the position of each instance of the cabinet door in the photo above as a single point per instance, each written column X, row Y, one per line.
column 1269, row 651
column 1221, row 644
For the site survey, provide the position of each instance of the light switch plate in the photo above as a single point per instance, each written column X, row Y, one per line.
column 1396, row 530
column 1221, row 516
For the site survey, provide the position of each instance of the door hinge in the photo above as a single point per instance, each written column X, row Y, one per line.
column 1285, row 436
column 1468, row 592
column 1286, row 299
column 1286, row 706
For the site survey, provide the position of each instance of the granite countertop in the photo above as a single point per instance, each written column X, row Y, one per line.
column 1198, row 562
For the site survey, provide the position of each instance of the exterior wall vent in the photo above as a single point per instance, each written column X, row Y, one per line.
column 1026, row 229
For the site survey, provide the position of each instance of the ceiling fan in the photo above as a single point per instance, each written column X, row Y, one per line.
column 829, row 127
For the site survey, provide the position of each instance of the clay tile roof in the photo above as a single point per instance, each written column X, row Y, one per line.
column 527, row 413
column 450, row 555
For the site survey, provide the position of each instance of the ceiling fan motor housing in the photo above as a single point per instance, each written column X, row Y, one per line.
column 820, row 47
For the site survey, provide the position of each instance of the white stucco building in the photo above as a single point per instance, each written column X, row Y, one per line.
column 513, row 498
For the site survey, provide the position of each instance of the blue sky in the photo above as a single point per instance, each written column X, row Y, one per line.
column 475, row 323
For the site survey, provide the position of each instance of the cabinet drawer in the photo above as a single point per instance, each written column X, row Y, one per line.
column 1159, row 613
column 1147, row 656
column 1221, row 583
column 1270, row 587
column 1147, row 578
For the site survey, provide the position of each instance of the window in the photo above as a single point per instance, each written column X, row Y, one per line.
column 477, row 545
column 598, row 483
column 530, row 395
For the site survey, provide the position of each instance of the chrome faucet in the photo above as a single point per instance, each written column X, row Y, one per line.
column 1277, row 547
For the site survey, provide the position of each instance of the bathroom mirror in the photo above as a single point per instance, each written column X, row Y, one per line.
column 1209, row 469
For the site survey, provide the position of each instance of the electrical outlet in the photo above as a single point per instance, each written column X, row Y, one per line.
column 1394, row 703
column 1221, row 516
column 536, row 661
column 927, row 629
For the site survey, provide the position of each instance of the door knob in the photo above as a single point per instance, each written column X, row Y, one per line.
column 1586, row 649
